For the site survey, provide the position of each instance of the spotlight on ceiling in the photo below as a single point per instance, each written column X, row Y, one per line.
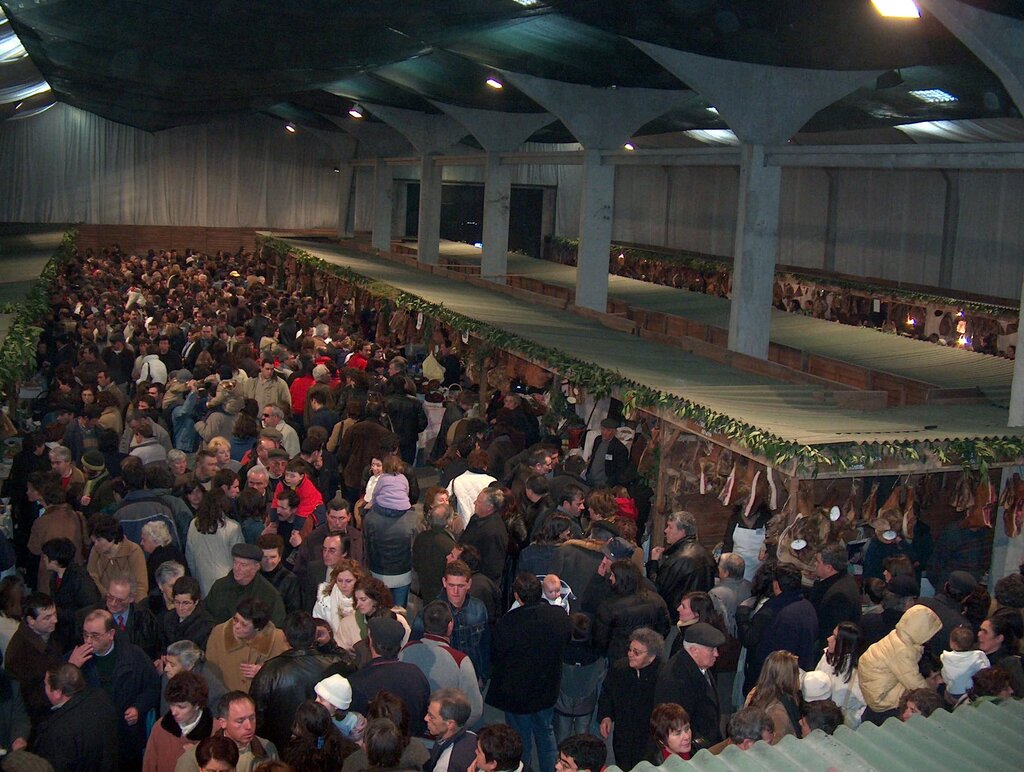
column 356, row 111
column 290, row 127
column 336, row 169
column 495, row 83
column 629, row 146
column 897, row 9
column 889, row 79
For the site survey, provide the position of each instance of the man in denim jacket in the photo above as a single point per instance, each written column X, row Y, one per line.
column 471, row 632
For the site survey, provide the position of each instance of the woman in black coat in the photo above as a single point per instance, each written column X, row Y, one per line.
column 627, row 697
column 631, row 604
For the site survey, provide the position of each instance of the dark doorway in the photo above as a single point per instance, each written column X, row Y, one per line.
column 462, row 208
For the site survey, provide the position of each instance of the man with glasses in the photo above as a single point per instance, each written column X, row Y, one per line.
column 189, row 621
column 134, row 620
column 109, row 661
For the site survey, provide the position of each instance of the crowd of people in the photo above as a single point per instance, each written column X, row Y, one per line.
column 222, row 559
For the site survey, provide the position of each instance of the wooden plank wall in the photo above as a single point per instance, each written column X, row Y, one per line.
column 141, row 238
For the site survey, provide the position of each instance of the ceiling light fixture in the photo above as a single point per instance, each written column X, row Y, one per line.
column 933, row 96
column 495, row 83
column 290, row 127
column 712, row 110
column 897, row 9
column 356, row 111
column 629, row 146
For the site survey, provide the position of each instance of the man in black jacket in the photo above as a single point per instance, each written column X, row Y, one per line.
column 486, row 531
column 687, row 680
column 683, row 565
column 124, row 671
column 609, row 458
column 386, row 672
column 835, row 595
column 189, row 621
column 81, row 731
column 286, row 680
column 526, row 667
column 273, row 570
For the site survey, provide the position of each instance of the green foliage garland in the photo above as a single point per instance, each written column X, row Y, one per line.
column 18, row 352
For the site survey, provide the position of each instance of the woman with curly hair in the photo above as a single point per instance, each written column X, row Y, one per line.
column 335, row 601
column 316, row 744
column 372, row 598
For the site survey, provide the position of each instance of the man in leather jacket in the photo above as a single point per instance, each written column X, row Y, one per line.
column 683, row 565
column 286, row 680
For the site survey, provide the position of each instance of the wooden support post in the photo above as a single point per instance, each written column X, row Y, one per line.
column 667, row 436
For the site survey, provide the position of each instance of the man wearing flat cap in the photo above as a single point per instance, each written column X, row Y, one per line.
column 243, row 582
column 687, row 680
column 385, row 636
column 609, row 458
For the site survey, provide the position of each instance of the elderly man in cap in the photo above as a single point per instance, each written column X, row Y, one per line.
column 609, row 458
column 385, row 672
column 243, row 582
column 686, row 679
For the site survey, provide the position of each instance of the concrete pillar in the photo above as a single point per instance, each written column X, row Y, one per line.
column 950, row 226
column 383, row 205
column 831, row 220
column 429, row 228
column 497, row 195
column 496, row 133
column 601, row 119
column 596, row 209
column 430, row 135
column 346, row 176
column 757, row 243
column 764, row 106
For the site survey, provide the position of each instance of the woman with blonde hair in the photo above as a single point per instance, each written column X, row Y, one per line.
column 777, row 693
column 335, row 601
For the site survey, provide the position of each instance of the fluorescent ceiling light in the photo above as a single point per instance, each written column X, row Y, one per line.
column 11, row 48
column 712, row 110
column 356, row 111
column 495, row 83
column 934, row 96
column 290, row 127
column 714, row 136
column 897, row 9
column 528, row 3
column 629, row 146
